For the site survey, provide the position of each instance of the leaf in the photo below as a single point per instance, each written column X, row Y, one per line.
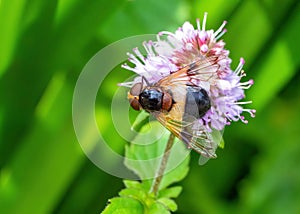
column 145, row 159
column 169, row 203
column 171, row 192
column 177, row 174
column 142, row 116
column 123, row 206
column 222, row 144
column 158, row 208
column 138, row 194
column 132, row 184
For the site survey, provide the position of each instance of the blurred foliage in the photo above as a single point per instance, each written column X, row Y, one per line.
column 43, row 48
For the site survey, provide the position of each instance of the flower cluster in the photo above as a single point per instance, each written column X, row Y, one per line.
column 173, row 51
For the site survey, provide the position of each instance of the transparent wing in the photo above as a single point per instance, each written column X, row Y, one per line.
column 202, row 70
column 196, row 137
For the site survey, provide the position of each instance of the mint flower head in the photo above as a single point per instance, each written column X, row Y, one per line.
column 173, row 51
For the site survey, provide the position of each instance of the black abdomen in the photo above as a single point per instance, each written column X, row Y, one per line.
column 197, row 102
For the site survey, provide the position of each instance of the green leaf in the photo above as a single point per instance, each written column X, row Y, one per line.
column 145, row 159
column 177, row 174
column 171, row 192
column 158, row 208
column 169, row 203
column 123, row 206
column 132, row 184
column 138, row 194
column 142, row 116
column 222, row 144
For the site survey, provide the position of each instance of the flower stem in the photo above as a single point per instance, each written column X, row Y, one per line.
column 162, row 166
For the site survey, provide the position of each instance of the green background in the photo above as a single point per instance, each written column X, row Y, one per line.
column 45, row 44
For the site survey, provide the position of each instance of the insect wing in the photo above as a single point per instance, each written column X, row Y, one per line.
column 202, row 70
column 178, row 120
column 193, row 135
column 215, row 140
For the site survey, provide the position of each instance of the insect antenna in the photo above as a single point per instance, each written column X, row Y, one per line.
column 146, row 81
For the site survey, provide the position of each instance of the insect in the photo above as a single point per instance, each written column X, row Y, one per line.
column 177, row 102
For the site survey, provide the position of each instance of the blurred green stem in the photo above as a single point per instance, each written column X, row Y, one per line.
column 162, row 166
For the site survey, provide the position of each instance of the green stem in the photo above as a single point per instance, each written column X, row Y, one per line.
column 163, row 165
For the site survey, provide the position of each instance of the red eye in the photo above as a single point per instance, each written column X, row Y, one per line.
column 136, row 89
column 135, row 104
column 167, row 102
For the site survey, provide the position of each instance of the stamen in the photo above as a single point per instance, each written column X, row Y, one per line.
column 242, row 74
column 239, row 68
column 161, row 33
column 221, row 34
column 220, row 28
column 241, row 103
column 126, row 84
column 204, row 21
column 250, row 111
column 148, row 48
column 133, row 59
column 246, row 85
column 230, row 117
column 138, row 53
column 125, row 66
column 198, row 24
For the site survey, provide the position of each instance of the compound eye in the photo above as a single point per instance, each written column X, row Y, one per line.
column 136, row 89
column 167, row 102
column 134, row 103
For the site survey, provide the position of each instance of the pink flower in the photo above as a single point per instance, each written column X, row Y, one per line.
column 173, row 51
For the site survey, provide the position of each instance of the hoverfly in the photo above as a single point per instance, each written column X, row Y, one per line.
column 177, row 102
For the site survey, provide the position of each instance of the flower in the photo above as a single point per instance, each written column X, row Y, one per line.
column 173, row 51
